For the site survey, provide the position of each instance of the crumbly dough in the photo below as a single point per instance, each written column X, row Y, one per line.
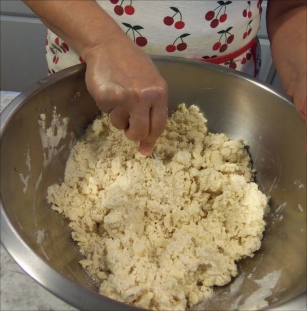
column 161, row 233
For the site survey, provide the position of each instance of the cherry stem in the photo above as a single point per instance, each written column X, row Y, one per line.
column 130, row 2
column 128, row 30
column 133, row 35
column 216, row 8
column 180, row 16
column 177, row 39
column 175, row 14
column 225, row 38
column 138, row 32
column 122, row 2
column 56, row 48
column 219, row 12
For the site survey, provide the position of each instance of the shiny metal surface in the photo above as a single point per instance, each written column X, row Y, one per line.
column 234, row 104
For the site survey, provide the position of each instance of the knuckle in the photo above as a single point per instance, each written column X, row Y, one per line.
column 162, row 88
column 116, row 94
column 108, row 98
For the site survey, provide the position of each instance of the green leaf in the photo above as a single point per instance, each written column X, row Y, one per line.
column 248, row 2
column 174, row 9
column 184, row 35
column 250, row 22
column 221, row 31
column 127, row 25
column 228, row 29
column 228, row 2
column 221, row 2
column 137, row 27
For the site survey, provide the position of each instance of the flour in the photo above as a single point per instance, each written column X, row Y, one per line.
column 256, row 301
column 52, row 136
column 25, row 178
column 160, row 234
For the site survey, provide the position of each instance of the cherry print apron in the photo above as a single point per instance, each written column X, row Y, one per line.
column 220, row 32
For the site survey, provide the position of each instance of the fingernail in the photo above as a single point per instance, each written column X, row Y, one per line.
column 146, row 150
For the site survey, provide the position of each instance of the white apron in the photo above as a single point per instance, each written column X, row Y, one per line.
column 221, row 32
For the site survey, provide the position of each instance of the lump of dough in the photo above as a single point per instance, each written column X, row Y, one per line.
column 160, row 234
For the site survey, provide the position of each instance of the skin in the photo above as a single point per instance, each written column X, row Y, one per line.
column 286, row 23
column 129, row 86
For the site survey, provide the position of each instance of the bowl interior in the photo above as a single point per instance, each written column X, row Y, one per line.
column 39, row 239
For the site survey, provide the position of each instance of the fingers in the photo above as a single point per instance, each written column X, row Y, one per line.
column 140, row 110
column 139, row 123
column 119, row 118
column 158, row 118
column 300, row 98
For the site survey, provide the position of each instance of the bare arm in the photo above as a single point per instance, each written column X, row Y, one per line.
column 130, row 88
column 286, row 22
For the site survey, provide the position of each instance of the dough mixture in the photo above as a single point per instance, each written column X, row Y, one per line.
column 159, row 234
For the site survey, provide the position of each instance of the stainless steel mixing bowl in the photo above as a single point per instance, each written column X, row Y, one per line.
column 39, row 239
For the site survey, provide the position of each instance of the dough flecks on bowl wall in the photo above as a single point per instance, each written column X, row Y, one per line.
column 160, row 234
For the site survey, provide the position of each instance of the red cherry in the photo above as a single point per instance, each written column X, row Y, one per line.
column 171, row 48
column 179, row 25
column 65, row 46
column 52, row 51
column 244, row 13
column 182, row 46
column 233, row 65
column 46, row 41
column 248, row 56
column 244, row 35
column 230, row 39
column 141, row 41
column 243, row 61
column 63, row 49
column 216, row 46
column 223, row 18
column 129, row 9
column 55, row 59
column 168, row 20
column 81, row 60
column 118, row 10
column 209, row 15
column 214, row 23
column 57, row 40
column 249, row 31
column 223, row 48
column 249, row 14
column 114, row 1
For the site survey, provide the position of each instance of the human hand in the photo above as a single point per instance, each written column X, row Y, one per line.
column 300, row 98
column 125, row 83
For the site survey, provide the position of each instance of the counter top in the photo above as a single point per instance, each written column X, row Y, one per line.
column 20, row 292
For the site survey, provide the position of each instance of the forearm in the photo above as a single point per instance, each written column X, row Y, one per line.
column 82, row 24
column 286, row 22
